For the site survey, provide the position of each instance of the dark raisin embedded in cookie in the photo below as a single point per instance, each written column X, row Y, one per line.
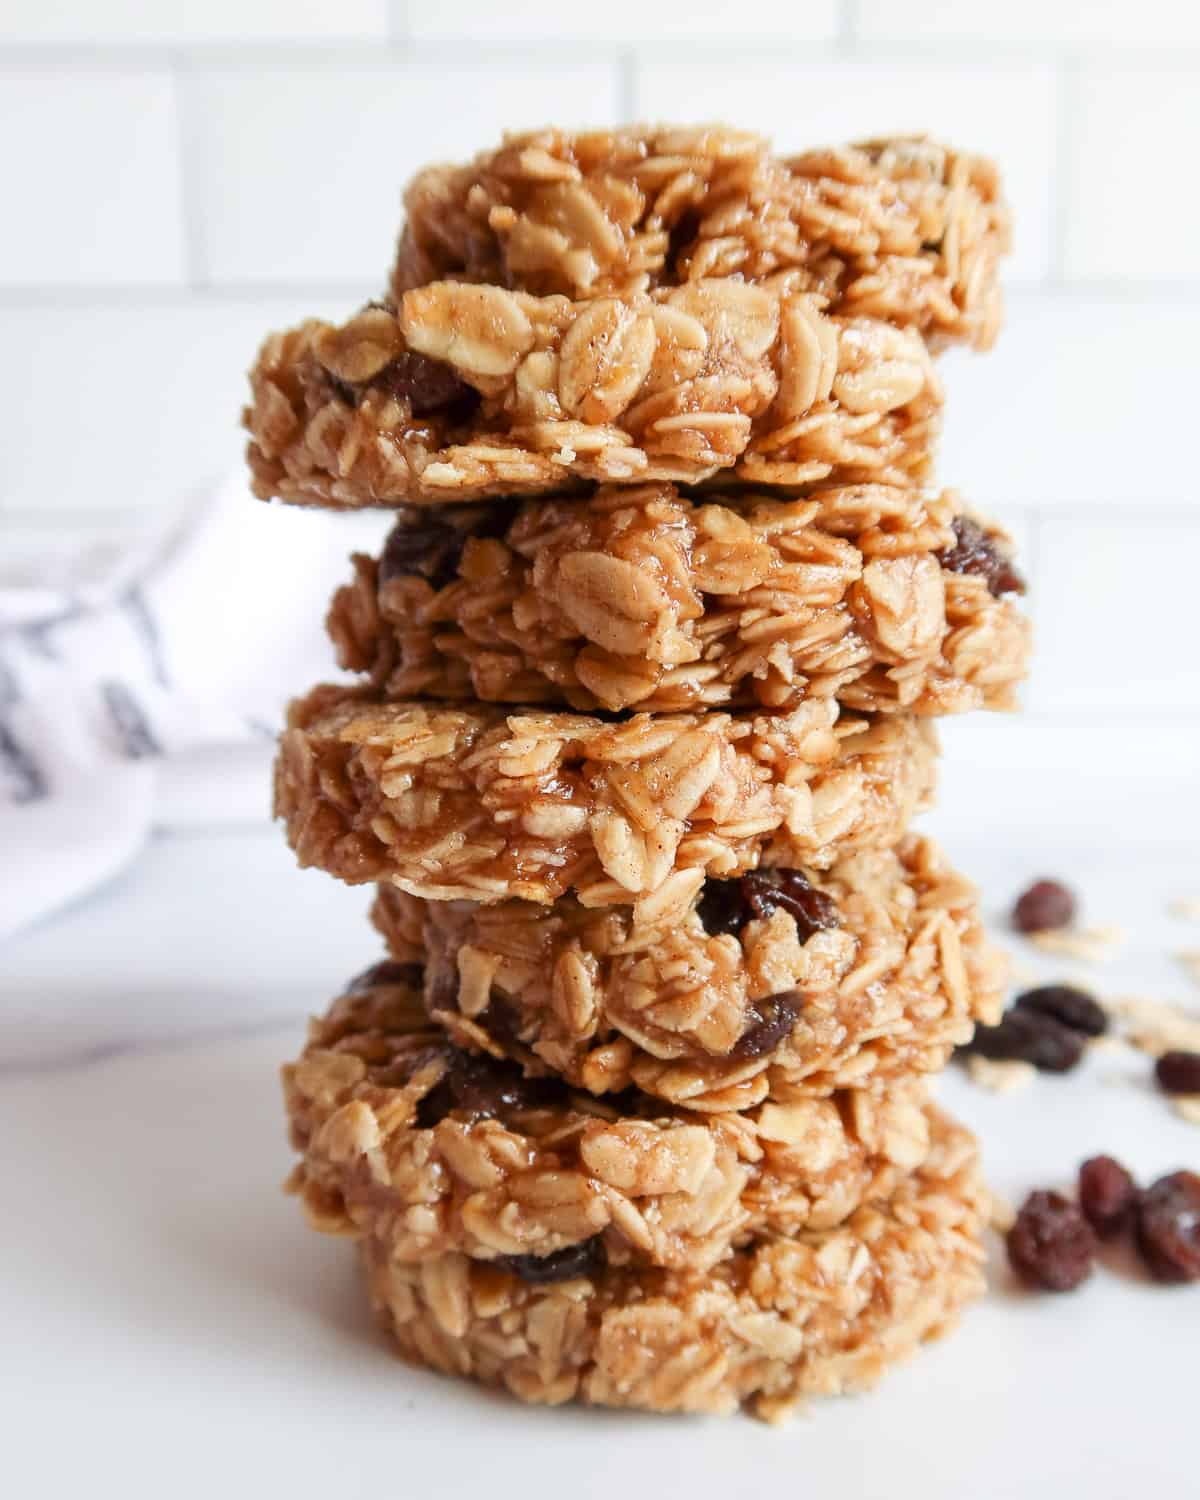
column 1051, row 1244
column 771, row 1022
column 1046, row 906
column 1028, row 1036
column 1168, row 1227
column 769, row 891
column 584, row 1259
column 428, row 385
column 725, row 906
column 1108, row 1195
column 387, row 971
column 422, row 545
column 1068, row 1006
column 484, row 1087
column 974, row 551
column 1178, row 1072
column 721, row 908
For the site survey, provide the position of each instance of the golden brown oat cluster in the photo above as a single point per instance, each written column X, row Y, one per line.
column 845, row 978
column 406, row 1137
column 473, row 802
column 903, row 229
column 641, row 597
column 634, row 1110
column 465, row 392
column 787, row 1318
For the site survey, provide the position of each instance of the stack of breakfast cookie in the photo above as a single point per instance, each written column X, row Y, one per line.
column 635, row 1110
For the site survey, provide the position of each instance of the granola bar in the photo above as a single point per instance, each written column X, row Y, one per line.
column 642, row 597
column 820, row 1314
column 780, row 984
column 437, row 1151
column 465, row 391
column 472, row 802
column 903, row 229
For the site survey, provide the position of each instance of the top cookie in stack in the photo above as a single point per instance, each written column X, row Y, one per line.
column 629, row 306
column 647, row 669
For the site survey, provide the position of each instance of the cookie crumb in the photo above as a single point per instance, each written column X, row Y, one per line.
column 1187, row 1107
column 1088, row 944
column 1000, row 1077
column 1155, row 1026
column 1002, row 1214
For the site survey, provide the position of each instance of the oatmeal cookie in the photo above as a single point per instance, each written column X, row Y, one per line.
column 779, row 983
column 465, row 391
column 784, row 1319
column 476, row 803
column 642, row 597
column 902, row 229
column 435, row 1151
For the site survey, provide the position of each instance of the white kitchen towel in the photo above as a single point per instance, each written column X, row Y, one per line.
column 156, row 669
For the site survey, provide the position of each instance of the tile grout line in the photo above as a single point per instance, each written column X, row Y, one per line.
column 187, row 167
column 1062, row 180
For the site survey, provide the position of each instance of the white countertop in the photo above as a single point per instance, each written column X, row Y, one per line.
column 171, row 1329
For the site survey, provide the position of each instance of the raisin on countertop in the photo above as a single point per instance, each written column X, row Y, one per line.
column 1051, row 1244
column 1046, row 906
column 1108, row 1195
column 1168, row 1227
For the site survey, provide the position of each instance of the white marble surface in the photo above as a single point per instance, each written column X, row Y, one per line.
column 171, row 1329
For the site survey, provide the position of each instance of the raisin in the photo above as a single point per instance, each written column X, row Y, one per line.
column 1044, row 907
column 584, row 1259
column 1068, row 1006
column 428, row 549
column 428, row 385
column 1168, row 1227
column 721, row 908
column 387, row 971
column 1051, row 1244
column 771, row 1021
column 1108, row 1195
column 484, row 1087
column 442, row 994
column 975, row 552
column 767, row 891
column 424, row 546
column 727, row 905
column 1178, row 1072
column 1028, row 1036
column 680, row 239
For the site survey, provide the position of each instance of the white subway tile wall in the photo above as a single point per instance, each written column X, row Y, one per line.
column 180, row 177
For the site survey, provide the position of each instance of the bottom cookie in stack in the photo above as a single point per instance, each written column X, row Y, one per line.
column 622, row 1251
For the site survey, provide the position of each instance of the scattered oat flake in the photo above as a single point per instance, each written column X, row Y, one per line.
column 1187, row 1107
column 1155, row 1026
column 1190, row 959
column 1107, row 1043
column 1089, row 944
column 1000, row 1077
column 1001, row 1214
column 1187, row 908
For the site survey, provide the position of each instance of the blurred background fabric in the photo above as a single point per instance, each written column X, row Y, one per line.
column 180, row 178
